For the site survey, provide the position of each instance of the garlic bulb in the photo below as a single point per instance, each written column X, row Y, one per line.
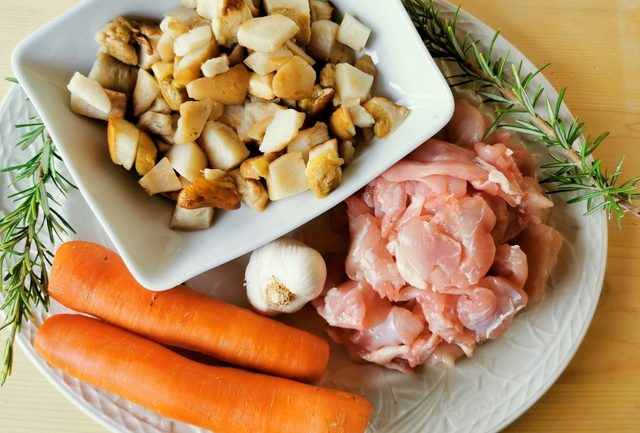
column 283, row 276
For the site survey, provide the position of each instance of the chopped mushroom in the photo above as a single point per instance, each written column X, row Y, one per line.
column 294, row 80
column 388, row 116
column 347, row 150
column 353, row 33
column 157, row 123
column 266, row 34
column 90, row 91
column 283, row 128
column 84, row 108
column 122, row 139
column 113, row 74
column 160, row 106
column 222, row 145
column 352, row 84
column 161, row 178
column 298, row 11
column 253, row 193
column 172, row 94
column 261, row 86
column 215, row 66
column 361, row 117
column 259, row 129
column 308, row 138
column 320, row 10
column 324, row 44
column 143, row 35
column 258, row 166
column 341, row 124
column 193, row 117
column 226, row 19
column 146, row 154
column 148, row 53
column 320, row 100
column 187, row 159
column 146, row 92
column 324, row 35
column 252, row 111
column 237, row 55
column 165, row 48
column 186, row 16
column 117, row 39
column 190, row 66
column 298, row 51
column 230, row 87
column 191, row 219
column 214, row 188
column 150, row 29
column 172, row 26
column 323, row 169
column 367, row 65
column 287, row 176
column 243, row 117
column 266, row 63
column 328, row 75
column 192, row 40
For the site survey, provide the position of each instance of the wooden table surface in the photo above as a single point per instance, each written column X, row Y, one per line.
column 594, row 48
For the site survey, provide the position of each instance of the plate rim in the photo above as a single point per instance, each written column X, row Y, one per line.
column 26, row 346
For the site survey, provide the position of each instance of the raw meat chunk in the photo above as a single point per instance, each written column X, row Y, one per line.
column 541, row 244
column 446, row 247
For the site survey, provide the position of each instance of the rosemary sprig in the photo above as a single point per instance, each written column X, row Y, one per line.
column 25, row 232
column 523, row 108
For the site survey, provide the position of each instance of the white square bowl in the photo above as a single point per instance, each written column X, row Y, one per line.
column 138, row 225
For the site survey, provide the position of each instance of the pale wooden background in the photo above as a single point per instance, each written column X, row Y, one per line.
column 594, row 48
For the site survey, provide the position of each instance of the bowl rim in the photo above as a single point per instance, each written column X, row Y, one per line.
column 169, row 279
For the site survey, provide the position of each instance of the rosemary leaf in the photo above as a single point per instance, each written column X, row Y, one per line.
column 24, row 255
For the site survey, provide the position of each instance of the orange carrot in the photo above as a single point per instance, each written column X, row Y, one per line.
column 223, row 399
column 92, row 279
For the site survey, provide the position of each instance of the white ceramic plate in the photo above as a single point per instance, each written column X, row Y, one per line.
column 138, row 224
column 482, row 394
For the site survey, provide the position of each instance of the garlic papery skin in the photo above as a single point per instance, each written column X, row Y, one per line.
column 283, row 276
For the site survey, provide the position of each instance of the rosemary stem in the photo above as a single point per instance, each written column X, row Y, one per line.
column 503, row 83
column 571, row 153
column 8, row 354
column 542, row 124
column 629, row 207
column 24, row 256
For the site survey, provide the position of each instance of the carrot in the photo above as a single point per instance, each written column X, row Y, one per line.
column 222, row 399
column 92, row 279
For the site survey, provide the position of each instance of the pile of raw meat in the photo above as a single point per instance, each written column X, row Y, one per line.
column 446, row 247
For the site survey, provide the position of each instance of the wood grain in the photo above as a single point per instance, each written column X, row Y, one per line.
column 593, row 47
